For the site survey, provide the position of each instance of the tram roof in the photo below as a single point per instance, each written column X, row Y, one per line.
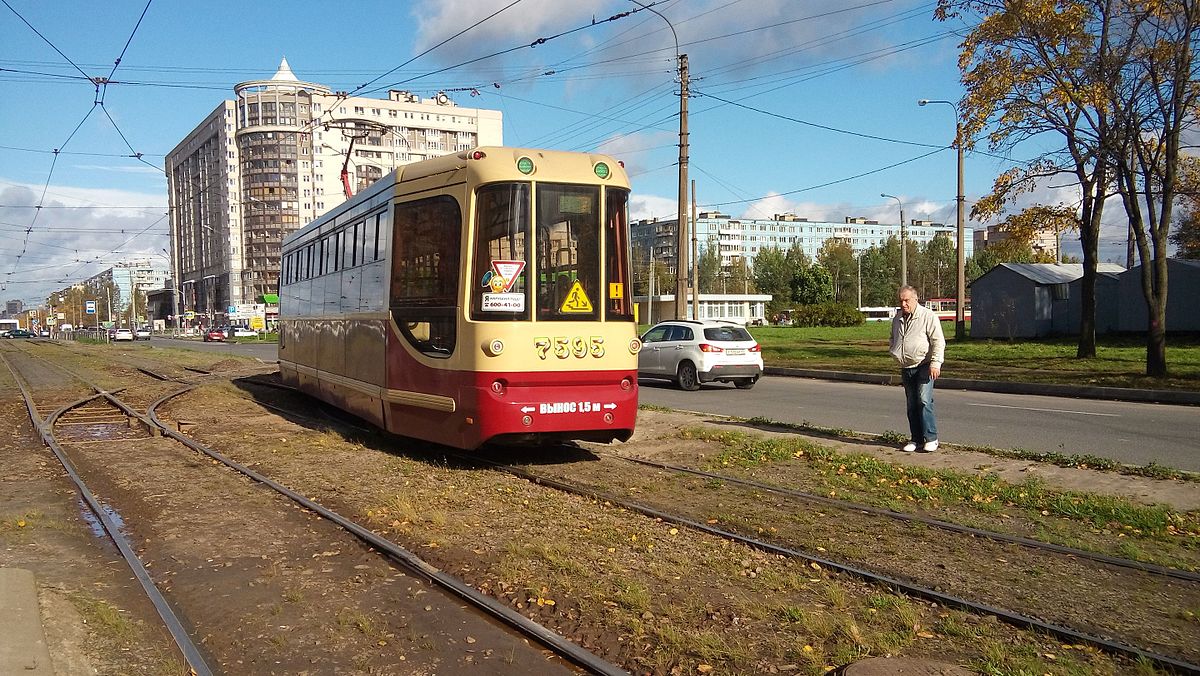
column 499, row 163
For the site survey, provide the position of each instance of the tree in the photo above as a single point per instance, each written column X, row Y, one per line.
column 811, row 284
column 1032, row 221
column 881, row 273
column 1157, row 100
column 1186, row 237
column 837, row 257
column 1005, row 251
column 709, row 268
column 740, row 277
column 771, row 275
column 1041, row 68
column 934, row 270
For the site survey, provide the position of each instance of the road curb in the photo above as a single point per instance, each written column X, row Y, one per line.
column 1180, row 397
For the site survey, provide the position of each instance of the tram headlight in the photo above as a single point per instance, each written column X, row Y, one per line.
column 635, row 346
column 493, row 347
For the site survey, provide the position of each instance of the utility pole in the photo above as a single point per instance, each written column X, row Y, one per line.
column 960, row 322
column 695, row 261
column 681, row 239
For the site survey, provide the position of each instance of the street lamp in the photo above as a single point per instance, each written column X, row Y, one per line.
column 175, row 290
column 681, row 218
column 960, row 324
column 903, row 241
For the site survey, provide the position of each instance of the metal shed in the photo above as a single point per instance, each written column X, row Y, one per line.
column 1030, row 300
column 1183, row 297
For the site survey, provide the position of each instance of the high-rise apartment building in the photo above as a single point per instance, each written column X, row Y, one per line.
column 745, row 237
column 271, row 160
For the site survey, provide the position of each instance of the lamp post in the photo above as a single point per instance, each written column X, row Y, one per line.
column 903, row 241
column 174, row 290
column 858, row 260
column 681, row 237
column 960, row 324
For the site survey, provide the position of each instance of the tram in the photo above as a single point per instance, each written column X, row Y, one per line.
column 946, row 308
column 478, row 297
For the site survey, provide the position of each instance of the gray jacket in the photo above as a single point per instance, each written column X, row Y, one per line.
column 917, row 338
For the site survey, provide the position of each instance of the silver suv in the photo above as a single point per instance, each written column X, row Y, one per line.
column 692, row 352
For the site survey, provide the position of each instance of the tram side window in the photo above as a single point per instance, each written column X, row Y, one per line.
column 349, row 248
column 426, row 246
column 568, row 252
column 616, row 244
column 379, row 234
column 360, row 242
column 502, row 234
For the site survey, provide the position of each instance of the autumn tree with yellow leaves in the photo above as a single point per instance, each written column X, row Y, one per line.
column 1115, row 82
column 1157, row 101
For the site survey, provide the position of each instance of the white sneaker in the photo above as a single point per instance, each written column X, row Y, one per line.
column 930, row 446
column 909, row 447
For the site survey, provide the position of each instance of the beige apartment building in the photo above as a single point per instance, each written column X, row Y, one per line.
column 271, row 160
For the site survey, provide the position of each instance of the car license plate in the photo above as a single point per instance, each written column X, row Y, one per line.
column 735, row 351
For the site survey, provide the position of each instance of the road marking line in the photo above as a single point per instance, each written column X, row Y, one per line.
column 1049, row 410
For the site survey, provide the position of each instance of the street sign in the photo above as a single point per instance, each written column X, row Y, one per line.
column 189, row 315
column 89, row 307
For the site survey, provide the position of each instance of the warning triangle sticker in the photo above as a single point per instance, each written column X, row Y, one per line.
column 508, row 271
column 577, row 301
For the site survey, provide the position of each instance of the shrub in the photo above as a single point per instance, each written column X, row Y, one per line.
column 826, row 314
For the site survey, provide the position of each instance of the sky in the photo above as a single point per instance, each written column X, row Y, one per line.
column 801, row 106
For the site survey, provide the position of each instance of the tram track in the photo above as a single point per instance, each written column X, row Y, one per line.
column 1139, row 647
column 1025, row 618
column 87, row 413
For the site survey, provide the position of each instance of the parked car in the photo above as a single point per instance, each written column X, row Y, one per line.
column 20, row 333
column 122, row 334
column 142, row 333
column 214, row 335
column 691, row 352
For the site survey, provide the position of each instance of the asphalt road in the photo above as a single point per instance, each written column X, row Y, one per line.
column 1128, row 432
column 264, row 351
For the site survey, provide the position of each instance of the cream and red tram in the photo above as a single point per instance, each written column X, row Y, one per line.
column 482, row 296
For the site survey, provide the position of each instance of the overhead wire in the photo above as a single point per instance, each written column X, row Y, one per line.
column 833, row 182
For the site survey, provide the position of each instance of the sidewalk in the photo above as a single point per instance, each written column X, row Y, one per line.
column 1180, row 397
column 23, row 647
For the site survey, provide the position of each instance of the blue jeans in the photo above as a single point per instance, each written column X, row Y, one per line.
column 918, row 393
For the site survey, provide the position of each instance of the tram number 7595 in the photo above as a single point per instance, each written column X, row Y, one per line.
column 566, row 346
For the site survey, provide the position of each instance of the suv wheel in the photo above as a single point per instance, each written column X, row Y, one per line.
column 687, row 378
column 745, row 383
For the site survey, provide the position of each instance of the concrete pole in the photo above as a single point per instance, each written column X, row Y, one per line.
column 960, row 324
column 695, row 261
column 681, row 240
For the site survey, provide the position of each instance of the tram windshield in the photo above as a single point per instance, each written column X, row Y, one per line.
column 563, row 262
column 567, row 232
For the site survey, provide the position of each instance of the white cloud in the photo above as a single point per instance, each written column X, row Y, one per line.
column 652, row 206
column 439, row 19
column 78, row 233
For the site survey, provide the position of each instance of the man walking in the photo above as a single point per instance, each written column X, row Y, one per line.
column 919, row 347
